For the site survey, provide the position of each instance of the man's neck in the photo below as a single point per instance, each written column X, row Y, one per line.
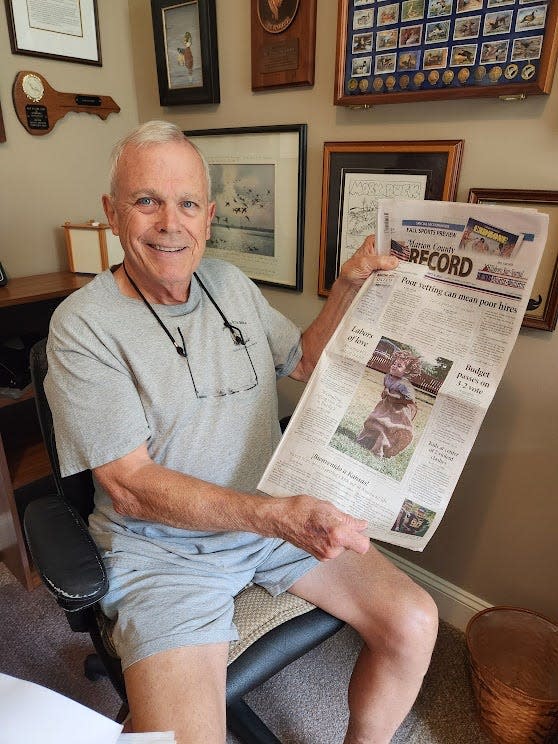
column 162, row 294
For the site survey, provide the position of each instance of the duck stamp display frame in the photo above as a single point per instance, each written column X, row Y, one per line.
column 542, row 308
column 186, row 54
column 423, row 50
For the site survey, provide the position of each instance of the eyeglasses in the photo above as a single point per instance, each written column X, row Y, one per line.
column 233, row 372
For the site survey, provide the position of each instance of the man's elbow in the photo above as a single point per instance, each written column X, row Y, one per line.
column 123, row 499
column 302, row 371
column 124, row 504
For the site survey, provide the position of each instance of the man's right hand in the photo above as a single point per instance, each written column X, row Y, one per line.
column 317, row 526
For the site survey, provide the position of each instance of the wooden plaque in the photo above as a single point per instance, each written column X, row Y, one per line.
column 283, row 43
column 39, row 106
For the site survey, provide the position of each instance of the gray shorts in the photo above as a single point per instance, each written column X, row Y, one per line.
column 161, row 599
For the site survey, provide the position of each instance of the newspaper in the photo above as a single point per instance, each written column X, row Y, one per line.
column 391, row 412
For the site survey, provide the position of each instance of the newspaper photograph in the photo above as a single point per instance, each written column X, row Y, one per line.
column 388, row 418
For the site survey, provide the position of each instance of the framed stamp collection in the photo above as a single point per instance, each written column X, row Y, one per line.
column 357, row 174
column 258, row 179
column 542, row 309
column 430, row 49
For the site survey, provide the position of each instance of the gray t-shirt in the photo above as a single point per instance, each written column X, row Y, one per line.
column 116, row 381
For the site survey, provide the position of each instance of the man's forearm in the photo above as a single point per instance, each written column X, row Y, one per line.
column 352, row 276
column 318, row 333
column 153, row 493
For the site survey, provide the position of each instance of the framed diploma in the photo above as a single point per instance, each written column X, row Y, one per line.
column 283, row 43
column 67, row 30
column 423, row 50
column 357, row 174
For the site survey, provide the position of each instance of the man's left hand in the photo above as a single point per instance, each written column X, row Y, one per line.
column 363, row 262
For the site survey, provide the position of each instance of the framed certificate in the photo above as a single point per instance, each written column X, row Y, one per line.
column 67, row 30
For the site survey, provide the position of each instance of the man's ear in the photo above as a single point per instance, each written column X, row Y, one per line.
column 110, row 213
column 212, row 208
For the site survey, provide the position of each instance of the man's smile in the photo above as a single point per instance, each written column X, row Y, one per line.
column 167, row 249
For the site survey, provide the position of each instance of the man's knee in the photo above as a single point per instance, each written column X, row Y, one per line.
column 409, row 625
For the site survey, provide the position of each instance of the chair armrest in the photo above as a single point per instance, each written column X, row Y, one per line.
column 64, row 553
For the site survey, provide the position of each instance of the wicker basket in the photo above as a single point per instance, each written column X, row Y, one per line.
column 514, row 670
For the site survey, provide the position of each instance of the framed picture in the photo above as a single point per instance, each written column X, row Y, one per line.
column 67, row 30
column 258, row 183
column 357, row 174
column 422, row 50
column 542, row 309
column 186, row 51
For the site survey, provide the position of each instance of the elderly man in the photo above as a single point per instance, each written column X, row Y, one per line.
column 162, row 381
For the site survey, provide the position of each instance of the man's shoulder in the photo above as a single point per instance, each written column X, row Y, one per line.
column 216, row 267
column 86, row 299
column 221, row 275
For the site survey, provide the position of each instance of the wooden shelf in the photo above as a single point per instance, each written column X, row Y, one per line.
column 28, row 464
column 22, row 290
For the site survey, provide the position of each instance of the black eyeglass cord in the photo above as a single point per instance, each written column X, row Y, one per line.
column 235, row 332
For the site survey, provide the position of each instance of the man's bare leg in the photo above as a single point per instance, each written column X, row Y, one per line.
column 398, row 623
column 181, row 690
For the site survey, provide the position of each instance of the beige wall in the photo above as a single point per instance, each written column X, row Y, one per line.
column 498, row 537
column 59, row 176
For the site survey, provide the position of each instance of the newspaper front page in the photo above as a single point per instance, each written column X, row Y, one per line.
column 391, row 412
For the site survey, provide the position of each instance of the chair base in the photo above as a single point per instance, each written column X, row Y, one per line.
column 244, row 723
column 94, row 668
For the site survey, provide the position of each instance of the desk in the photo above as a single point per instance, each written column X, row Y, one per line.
column 26, row 305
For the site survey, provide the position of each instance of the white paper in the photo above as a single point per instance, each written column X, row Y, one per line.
column 32, row 714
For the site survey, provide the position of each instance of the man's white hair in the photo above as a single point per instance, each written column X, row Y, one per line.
column 152, row 133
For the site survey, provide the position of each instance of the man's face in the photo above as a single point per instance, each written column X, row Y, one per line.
column 161, row 213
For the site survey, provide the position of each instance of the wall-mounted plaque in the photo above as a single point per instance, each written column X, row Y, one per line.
column 38, row 106
column 283, row 43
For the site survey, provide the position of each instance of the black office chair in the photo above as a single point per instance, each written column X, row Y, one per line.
column 273, row 631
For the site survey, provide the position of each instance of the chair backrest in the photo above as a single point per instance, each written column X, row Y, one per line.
column 76, row 489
